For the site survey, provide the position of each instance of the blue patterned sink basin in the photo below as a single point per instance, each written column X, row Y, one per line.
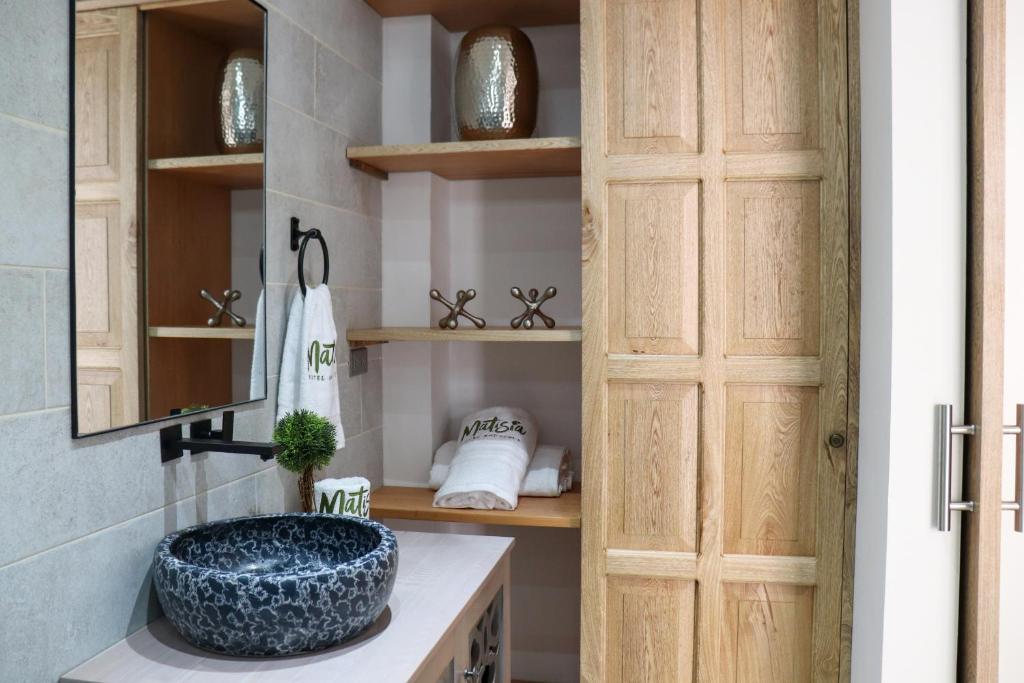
column 275, row 584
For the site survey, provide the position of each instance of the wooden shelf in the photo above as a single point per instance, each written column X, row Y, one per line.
column 202, row 332
column 237, row 171
column 403, row 502
column 382, row 335
column 463, row 15
column 526, row 158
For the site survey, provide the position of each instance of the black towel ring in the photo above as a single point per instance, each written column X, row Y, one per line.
column 300, row 239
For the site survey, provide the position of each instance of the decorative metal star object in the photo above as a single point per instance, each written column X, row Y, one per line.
column 533, row 304
column 457, row 309
column 223, row 307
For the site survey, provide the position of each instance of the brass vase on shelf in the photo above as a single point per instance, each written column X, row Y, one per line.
column 496, row 85
column 240, row 103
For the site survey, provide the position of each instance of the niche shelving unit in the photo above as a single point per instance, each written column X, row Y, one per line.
column 555, row 154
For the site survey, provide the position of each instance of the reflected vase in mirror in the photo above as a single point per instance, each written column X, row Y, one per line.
column 496, row 85
column 240, row 104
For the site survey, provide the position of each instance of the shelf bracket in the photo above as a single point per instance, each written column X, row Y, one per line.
column 368, row 169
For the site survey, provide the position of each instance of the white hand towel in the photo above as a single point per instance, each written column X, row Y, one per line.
column 442, row 464
column 495, row 446
column 309, row 377
column 258, row 374
column 548, row 474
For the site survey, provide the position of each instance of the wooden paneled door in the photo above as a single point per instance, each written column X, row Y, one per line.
column 107, row 219
column 716, row 250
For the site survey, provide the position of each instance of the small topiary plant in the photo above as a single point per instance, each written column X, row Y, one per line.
column 308, row 443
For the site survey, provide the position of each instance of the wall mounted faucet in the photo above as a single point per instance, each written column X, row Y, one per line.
column 203, row 437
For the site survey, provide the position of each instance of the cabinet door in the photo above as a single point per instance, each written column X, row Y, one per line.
column 716, row 309
column 106, row 219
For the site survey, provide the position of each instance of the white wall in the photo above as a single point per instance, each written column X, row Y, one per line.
column 913, row 311
column 1011, row 618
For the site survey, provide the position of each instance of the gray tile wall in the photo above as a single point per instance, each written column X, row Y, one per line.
column 79, row 519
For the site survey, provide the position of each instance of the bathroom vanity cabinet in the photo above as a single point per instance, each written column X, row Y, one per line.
column 449, row 613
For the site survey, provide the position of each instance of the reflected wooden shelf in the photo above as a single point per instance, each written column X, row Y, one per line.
column 463, row 15
column 202, row 332
column 381, row 335
column 237, row 171
column 404, row 502
column 526, row 158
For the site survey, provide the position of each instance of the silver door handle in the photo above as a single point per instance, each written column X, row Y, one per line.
column 1017, row 504
column 947, row 430
column 947, row 505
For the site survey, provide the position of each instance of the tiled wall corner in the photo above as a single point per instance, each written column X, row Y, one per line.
column 100, row 505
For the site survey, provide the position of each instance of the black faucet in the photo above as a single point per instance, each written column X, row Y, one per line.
column 203, row 437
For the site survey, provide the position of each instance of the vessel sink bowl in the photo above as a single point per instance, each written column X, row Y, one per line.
column 275, row 585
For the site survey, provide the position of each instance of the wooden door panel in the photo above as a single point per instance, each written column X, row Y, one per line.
column 774, row 268
column 716, row 335
column 771, row 449
column 766, row 633
column 654, row 274
column 98, row 96
column 653, row 90
column 98, row 303
column 650, row 630
column 106, row 255
column 653, row 434
column 100, row 398
column 771, row 75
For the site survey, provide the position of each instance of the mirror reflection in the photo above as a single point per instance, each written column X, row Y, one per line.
column 169, row 123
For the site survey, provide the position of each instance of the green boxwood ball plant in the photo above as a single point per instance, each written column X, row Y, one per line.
column 308, row 443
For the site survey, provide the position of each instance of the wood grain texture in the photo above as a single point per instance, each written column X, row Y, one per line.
column 771, row 77
column 406, row 502
column 236, row 171
column 978, row 654
column 651, row 92
column 771, row 450
column 650, row 630
column 774, row 268
column 793, row 161
column 463, row 15
column 853, row 361
column 652, row 480
column 654, row 278
column 107, row 196
column 467, row 333
column 766, row 633
column 203, row 332
column 487, row 159
column 443, row 581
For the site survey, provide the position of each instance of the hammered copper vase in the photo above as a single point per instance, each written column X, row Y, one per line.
column 496, row 85
column 240, row 103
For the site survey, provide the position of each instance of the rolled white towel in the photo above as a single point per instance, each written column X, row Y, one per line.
column 495, row 447
column 442, row 463
column 547, row 476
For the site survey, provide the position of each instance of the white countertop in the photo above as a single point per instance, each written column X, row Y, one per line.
column 438, row 575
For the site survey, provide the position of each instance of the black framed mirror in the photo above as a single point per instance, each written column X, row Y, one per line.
column 168, row 121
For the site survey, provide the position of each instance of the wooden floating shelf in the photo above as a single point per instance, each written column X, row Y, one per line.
column 404, row 502
column 463, row 15
column 526, row 158
column 202, row 332
column 237, row 171
column 382, row 335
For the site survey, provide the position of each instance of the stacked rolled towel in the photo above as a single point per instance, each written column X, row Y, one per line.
column 494, row 448
column 548, row 474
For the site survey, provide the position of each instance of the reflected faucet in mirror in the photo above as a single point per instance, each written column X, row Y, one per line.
column 203, row 437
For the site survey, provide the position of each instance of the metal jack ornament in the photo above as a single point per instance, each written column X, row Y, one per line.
column 462, row 297
column 223, row 307
column 533, row 304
